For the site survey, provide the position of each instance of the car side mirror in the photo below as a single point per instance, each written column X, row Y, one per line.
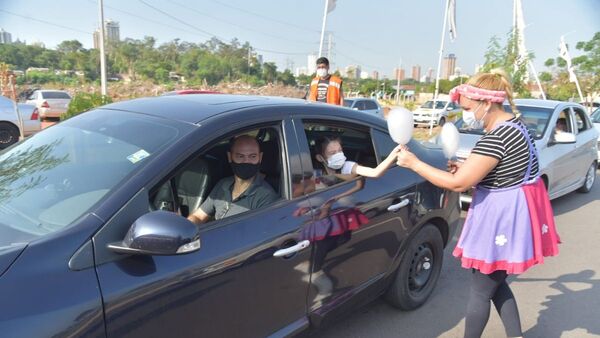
column 449, row 108
column 159, row 233
column 564, row 138
column 355, row 108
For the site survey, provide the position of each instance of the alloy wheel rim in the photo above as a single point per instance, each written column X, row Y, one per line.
column 5, row 137
column 590, row 177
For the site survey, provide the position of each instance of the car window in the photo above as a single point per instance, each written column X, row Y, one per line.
column 355, row 142
column 348, row 103
column 383, row 143
column 438, row 104
column 596, row 116
column 55, row 95
column 580, row 120
column 54, row 177
column 370, row 105
column 360, row 105
column 206, row 180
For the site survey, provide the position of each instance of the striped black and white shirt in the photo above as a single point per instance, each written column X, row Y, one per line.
column 509, row 146
column 322, row 88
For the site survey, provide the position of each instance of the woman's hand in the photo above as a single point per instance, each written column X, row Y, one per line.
column 406, row 158
column 453, row 166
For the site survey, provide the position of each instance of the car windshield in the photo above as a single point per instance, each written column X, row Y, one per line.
column 438, row 105
column 535, row 118
column 54, row 177
column 596, row 116
column 55, row 95
column 348, row 102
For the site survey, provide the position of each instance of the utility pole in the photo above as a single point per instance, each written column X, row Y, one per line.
column 102, row 55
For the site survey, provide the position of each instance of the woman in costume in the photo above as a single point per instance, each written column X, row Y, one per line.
column 510, row 224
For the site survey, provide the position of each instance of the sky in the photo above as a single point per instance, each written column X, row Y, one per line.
column 375, row 34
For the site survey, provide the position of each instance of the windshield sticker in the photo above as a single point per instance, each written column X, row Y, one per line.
column 138, row 156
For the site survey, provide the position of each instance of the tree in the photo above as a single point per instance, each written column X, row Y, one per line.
column 269, row 71
column 507, row 58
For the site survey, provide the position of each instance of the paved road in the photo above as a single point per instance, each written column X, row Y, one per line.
column 558, row 299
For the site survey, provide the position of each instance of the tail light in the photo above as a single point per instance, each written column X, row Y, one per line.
column 35, row 114
column 45, row 104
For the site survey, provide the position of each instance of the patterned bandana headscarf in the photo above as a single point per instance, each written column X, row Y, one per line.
column 478, row 94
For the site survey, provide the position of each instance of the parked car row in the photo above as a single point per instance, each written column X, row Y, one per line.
column 9, row 121
column 565, row 138
column 115, row 256
column 595, row 117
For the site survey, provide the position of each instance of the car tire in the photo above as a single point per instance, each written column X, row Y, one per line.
column 442, row 121
column 590, row 178
column 9, row 135
column 418, row 271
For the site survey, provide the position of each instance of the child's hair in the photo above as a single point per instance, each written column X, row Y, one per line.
column 496, row 79
column 323, row 142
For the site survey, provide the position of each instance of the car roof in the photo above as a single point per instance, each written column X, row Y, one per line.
column 194, row 108
column 542, row 103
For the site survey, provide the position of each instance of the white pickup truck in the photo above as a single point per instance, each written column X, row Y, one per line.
column 9, row 121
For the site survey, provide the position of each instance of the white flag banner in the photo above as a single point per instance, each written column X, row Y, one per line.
column 564, row 54
column 520, row 30
column 452, row 18
column 330, row 5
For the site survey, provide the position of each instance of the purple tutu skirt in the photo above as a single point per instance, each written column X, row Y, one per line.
column 508, row 229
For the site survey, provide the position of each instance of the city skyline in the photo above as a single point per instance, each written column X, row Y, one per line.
column 287, row 34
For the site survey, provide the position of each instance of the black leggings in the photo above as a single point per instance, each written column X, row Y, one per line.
column 483, row 289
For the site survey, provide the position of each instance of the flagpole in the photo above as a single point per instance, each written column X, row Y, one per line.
column 437, row 78
column 578, row 87
column 537, row 79
column 323, row 28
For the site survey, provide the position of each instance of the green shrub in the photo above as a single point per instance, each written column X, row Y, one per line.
column 82, row 102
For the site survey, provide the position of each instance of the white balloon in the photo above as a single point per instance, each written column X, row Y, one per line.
column 449, row 138
column 400, row 125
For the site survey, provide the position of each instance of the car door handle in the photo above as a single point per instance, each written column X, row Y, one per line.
column 293, row 249
column 398, row 206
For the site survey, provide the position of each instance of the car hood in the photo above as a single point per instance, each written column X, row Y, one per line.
column 466, row 142
column 426, row 110
column 8, row 254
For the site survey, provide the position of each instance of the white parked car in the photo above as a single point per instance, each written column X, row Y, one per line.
column 9, row 121
column 568, row 158
column 596, row 121
column 50, row 103
column 444, row 110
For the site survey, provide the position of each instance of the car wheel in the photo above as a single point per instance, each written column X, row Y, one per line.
column 9, row 135
column 590, row 178
column 419, row 270
column 442, row 121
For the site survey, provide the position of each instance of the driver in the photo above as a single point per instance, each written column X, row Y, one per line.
column 244, row 191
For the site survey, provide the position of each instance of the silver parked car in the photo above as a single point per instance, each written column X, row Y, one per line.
column 9, row 121
column 50, row 103
column 566, row 140
column 364, row 104
column 596, row 121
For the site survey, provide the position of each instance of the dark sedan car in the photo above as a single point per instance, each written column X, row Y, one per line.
column 94, row 241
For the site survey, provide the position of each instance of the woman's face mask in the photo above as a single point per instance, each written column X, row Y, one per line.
column 336, row 161
column 470, row 119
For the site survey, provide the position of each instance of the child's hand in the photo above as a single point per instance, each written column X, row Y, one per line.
column 453, row 166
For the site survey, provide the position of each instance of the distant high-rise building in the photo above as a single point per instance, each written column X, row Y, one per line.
column 416, row 73
column 312, row 63
column 352, row 72
column 5, row 36
column 449, row 66
column 399, row 73
column 375, row 75
column 364, row 75
column 429, row 74
column 111, row 33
